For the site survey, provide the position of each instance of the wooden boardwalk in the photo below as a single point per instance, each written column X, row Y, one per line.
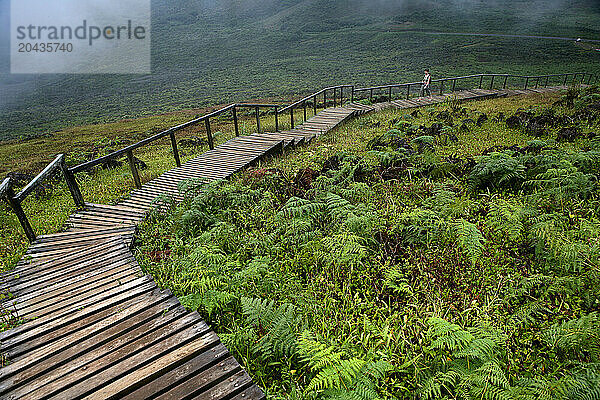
column 97, row 328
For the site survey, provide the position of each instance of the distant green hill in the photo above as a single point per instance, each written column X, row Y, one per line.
column 209, row 52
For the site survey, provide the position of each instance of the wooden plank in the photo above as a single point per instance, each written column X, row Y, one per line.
column 36, row 327
column 113, row 208
column 117, row 321
column 252, row 393
column 26, row 269
column 190, row 377
column 35, row 284
column 171, row 359
column 73, row 319
column 232, row 385
column 94, row 380
column 102, row 361
column 64, row 294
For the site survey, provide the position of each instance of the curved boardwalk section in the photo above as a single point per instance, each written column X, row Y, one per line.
column 97, row 328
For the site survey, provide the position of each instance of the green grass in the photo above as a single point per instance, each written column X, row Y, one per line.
column 401, row 273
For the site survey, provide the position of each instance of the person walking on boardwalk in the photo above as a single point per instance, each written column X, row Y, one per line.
column 426, row 83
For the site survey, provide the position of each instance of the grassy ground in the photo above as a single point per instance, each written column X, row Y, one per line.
column 385, row 261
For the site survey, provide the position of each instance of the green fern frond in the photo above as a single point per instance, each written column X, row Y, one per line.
column 469, row 238
column 445, row 335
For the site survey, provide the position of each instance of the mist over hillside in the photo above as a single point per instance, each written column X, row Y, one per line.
column 211, row 52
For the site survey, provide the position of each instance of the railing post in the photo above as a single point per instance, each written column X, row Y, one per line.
column 582, row 79
column 442, row 86
column 589, row 79
column 304, row 108
column 211, row 144
column 505, row 82
column 292, row 117
column 134, row 171
column 352, row 95
column 72, row 185
column 15, row 204
column 492, row 83
column 334, row 96
column 371, row 96
column 175, row 151
column 324, row 98
column 547, row 81
column 390, row 94
column 235, row 121
column 315, row 104
column 341, row 96
column 565, row 82
column 453, row 85
column 257, row 112
column 407, row 92
column 276, row 119
column 481, row 82
column 537, row 82
column 526, row 82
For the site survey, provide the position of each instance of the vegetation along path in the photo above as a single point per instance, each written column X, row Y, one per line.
column 97, row 328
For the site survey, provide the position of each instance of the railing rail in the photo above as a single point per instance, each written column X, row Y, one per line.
column 579, row 77
column 14, row 201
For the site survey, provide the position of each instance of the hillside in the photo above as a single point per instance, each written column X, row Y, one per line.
column 215, row 52
column 449, row 252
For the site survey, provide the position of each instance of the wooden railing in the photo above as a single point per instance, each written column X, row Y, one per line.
column 336, row 96
column 523, row 81
column 128, row 151
column 312, row 101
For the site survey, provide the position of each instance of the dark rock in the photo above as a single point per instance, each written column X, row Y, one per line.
column 568, row 134
column 501, row 148
column 445, row 116
column 513, row 122
column 481, row 119
column 434, row 130
column 461, row 165
column 393, row 173
column 111, row 163
column 140, row 164
column 305, row 177
column 331, row 164
column 535, row 128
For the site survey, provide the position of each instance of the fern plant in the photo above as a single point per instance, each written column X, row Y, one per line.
column 469, row 238
column 497, row 171
column 338, row 377
column 466, row 363
column 276, row 326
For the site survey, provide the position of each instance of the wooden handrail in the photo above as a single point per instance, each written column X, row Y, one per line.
column 119, row 153
column 4, row 187
column 35, row 182
column 293, row 105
